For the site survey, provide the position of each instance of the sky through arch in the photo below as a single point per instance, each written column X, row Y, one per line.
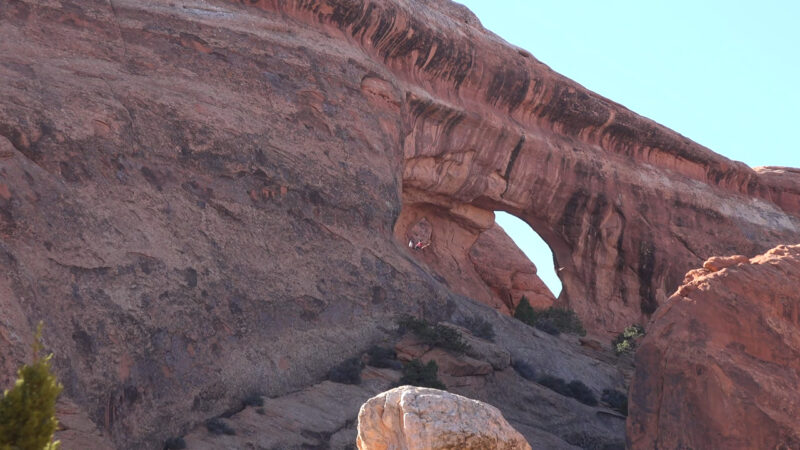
column 723, row 74
column 534, row 247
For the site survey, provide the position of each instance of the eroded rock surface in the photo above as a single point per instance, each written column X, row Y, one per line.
column 507, row 271
column 325, row 414
column 320, row 416
column 720, row 364
column 415, row 418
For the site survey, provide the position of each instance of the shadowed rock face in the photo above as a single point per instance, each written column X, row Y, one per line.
column 720, row 365
column 206, row 198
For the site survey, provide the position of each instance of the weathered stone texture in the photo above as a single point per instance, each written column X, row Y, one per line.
column 414, row 418
column 720, row 365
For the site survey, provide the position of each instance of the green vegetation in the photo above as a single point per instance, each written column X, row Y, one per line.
column 551, row 320
column 479, row 327
column 586, row 440
column 575, row 389
column 254, row 400
column 581, row 393
column 524, row 370
column 616, row 400
column 434, row 335
column 383, row 358
column 525, row 312
column 625, row 342
column 548, row 326
column 347, row 372
column 219, row 426
column 417, row 374
column 174, row 443
column 27, row 411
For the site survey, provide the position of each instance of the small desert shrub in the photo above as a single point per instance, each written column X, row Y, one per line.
column 437, row 335
column 27, row 410
column 616, row 400
column 549, row 319
column 347, row 372
column 588, row 441
column 174, row 443
column 525, row 312
column 219, row 426
column 564, row 319
column 625, row 342
column 261, row 411
column 575, row 389
column 524, row 370
column 581, row 393
column 383, row 358
column 410, row 324
column 548, row 327
column 254, row 400
column 479, row 327
column 417, row 374
column 585, row 441
column 554, row 384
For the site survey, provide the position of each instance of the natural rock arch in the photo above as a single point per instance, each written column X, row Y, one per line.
column 628, row 206
column 534, row 247
column 624, row 227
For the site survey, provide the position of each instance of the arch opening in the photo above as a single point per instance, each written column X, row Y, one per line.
column 534, row 247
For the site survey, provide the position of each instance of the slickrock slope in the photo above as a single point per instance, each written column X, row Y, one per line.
column 205, row 199
column 720, row 365
column 324, row 415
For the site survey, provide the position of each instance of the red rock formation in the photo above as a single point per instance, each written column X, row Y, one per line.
column 783, row 185
column 720, row 365
column 472, row 254
column 618, row 198
column 507, row 271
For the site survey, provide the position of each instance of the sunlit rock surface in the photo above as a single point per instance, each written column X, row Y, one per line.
column 720, row 365
column 413, row 418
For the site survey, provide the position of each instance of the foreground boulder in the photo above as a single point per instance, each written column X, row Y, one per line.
column 411, row 418
column 720, row 365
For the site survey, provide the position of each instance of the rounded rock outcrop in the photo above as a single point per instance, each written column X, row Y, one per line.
column 719, row 365
column 411, row 418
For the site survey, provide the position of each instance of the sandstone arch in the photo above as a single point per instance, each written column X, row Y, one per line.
column 534, row 247
column 628, row 205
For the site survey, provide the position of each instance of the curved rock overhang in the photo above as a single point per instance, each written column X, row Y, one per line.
column 627, row 205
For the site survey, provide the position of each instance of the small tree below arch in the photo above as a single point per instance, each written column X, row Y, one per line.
column 28, row 410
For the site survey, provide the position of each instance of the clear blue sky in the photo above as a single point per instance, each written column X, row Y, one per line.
column 724, row 74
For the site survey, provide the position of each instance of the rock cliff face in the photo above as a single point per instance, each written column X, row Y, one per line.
column 203, row 199
column 720, row 365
